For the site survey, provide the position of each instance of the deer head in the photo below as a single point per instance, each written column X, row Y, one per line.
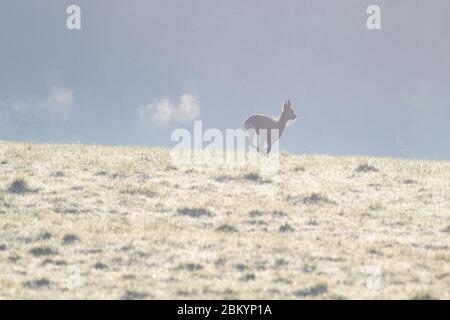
column 288, row 112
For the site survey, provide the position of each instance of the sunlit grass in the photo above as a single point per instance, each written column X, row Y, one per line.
column 82, row 221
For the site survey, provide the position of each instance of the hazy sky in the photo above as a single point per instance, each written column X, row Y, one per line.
column 139, row 69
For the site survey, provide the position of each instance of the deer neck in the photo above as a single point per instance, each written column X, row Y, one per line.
column 282, row 123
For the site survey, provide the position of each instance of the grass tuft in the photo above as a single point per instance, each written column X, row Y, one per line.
column 19, row 186
column 316, row 198
column 227, row 228
column 134, row 295
column 285, row 228
column 316, row 290
column 43, row 251
column 366, row 168
column 37, row 284
column 70, row 238
column 194, row 212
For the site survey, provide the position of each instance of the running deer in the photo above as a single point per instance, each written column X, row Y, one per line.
column 271, row 129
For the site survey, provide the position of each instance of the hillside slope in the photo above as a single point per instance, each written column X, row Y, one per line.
column 120, row 222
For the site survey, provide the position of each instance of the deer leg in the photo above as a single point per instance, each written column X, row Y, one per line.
column 269, row 143
column 260, row 143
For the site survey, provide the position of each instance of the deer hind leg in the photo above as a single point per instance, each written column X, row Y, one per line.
column 269, row 142
column 262, row 140
column 253, row 135
column 272, row 137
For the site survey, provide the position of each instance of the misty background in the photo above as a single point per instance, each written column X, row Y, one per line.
column 139, row 69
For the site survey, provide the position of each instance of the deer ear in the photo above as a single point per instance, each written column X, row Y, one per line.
column 287, row 104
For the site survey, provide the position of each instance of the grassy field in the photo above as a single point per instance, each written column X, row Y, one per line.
column 82, row 222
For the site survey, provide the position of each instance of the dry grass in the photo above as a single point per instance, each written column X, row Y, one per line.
column 101, row 222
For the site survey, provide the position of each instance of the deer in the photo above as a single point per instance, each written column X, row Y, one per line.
column 268, row 129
